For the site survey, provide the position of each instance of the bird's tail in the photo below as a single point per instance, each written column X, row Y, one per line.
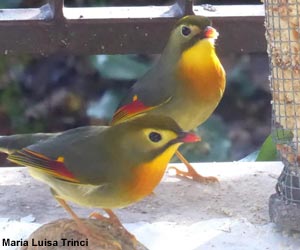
column 12, row 143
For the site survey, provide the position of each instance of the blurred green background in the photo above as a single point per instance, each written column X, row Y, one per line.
column 59, row 92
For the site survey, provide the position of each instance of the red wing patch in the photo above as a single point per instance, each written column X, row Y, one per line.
column 129, row 110
column 134, row 108
column 52, row 167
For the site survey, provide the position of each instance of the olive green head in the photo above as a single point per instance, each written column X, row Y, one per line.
column 188, row 31
column 149, row 135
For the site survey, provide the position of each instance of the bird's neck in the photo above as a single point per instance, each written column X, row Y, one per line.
column 201, row 71
column 169, row 57
column 147, row 176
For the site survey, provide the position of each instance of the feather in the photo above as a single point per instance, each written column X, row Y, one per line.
column 55, row 168
column 134, row 108
column 129, row 110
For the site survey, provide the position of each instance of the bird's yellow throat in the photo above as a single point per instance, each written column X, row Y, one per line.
column 202, row 71
column 148, row 175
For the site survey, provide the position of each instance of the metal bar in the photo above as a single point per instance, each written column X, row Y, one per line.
column 186, row 6
column 57, row 9
column 123, row 30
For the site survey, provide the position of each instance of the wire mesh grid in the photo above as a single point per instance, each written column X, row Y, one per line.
column 283, row 37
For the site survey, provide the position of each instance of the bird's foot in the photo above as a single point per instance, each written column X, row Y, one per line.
column 195, row 176
column 86, row 230
column 94, row 236
column 114, row 220
column 191, row 172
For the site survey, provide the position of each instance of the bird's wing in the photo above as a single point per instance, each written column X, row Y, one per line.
column 150, row 92
column 134, row 108
column 55, row 168
column 12, row 143
column 74, row 155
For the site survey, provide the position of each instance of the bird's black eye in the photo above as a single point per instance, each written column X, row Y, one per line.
column 185, row 30
column 155, row 137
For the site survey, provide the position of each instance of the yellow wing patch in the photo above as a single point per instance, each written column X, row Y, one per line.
column 60, row 159
column 134, row 98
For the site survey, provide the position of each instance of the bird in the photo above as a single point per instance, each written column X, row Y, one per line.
column 100, row 166
column 186, row 84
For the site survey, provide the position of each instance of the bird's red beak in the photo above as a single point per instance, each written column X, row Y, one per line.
column 211, row 32
column 187, row 137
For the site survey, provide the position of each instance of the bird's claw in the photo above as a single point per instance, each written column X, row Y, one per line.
column 195, row 176
column 98, row 216
column 113, row 219
column 99, row 239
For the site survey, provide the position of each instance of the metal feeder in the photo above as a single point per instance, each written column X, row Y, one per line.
column 283, row 38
